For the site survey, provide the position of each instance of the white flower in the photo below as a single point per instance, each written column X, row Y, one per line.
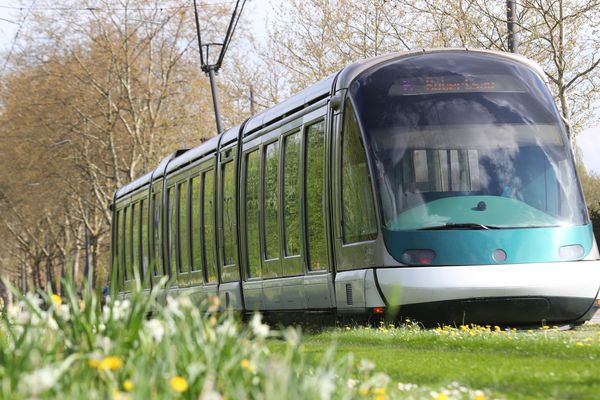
column 366, row 365
column 351, row 383
column 155, row 329
column 260, row 330
column 39, row 380
column 292, row 336
column 326, row 386
column 227, row 328
column 173, row 308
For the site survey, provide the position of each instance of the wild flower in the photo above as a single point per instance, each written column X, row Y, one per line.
column 178, row 384
column 248, row 365
column 259, row 329
column 56, row 299
column 128, row 385
column 366, row 365
column 155, row 329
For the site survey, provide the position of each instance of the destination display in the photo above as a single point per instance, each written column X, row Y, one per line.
column 455, row 84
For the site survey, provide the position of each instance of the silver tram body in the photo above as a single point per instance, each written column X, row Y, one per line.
column 437, row 183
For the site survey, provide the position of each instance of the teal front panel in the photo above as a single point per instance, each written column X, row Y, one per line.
column 475, row 247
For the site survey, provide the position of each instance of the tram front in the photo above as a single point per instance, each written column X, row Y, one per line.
column 480, row 202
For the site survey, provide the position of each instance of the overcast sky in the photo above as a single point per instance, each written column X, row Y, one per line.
column 256, row 12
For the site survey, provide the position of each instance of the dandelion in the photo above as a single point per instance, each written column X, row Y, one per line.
column 56, row 300
column 439, row 396
column 248, row 366
column 128, row 385
column 579, row 344
column 179, row 384
column 110, row 362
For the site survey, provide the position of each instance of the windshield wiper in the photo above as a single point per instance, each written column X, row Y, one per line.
column 466, row 225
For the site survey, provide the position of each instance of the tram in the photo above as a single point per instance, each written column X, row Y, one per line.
column 439, row 184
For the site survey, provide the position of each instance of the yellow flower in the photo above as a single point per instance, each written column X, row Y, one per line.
column 480, row 396
column 111, row 362
column 363, row 391
column 441, row 396
column 93, row 363
column 56, row 300
column 128, row 385
column 379, row 391
column 247, row 365
column 117, row 395
column 579, row 344
column 179, row 384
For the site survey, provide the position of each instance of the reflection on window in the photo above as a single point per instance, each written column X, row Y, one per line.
column 271, row 199
column 209, row 227
column 135, row 231
column 184, row 244
column 157, row 203
column 127, row 264
column 120, row 241
column 252, row 213
column 172, row 226
column 145, row 252
column 442, row 170
column 315, row 173
column 228, row 214
column 195, row 225
column 291, row 194
column 358, row 212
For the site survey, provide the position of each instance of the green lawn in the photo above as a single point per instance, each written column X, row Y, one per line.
column 543, row 363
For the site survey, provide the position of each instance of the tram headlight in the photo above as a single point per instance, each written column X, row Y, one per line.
column 418, row 256
column 571, row 252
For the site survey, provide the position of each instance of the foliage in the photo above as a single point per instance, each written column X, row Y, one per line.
column 72, row 347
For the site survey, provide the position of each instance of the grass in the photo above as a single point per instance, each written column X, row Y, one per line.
column 76, row 347
column 544, row 363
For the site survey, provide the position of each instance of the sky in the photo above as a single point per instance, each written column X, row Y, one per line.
column 257, row 12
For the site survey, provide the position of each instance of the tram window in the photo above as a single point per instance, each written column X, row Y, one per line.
column 209, row 227
column 291, row 194
column 144, row 242
column 135, row 231
column 127, row 263
column 315, row 173
column 358, row 211
column 195, row 225
column 442, row 170
column 252, row 213
column 156, row 243
column 271, row 201
column 228, row 190
column 172, row 227
column 184, row 243
column 120, row 242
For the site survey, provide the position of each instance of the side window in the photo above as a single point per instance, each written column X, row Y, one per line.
column 172, row 228
column 229, row 246
column 209, row 227
column 195, row 225
column 144, row 206
column 271, row 201
column 315, row 173
column 184, row 244
column 120, row 245
column 127, row 217
column 358, row 212
column 252, row 213
column 291, row 194
column 135, row 231
column 156, row 236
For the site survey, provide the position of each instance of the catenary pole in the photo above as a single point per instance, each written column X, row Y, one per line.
column 511, row 23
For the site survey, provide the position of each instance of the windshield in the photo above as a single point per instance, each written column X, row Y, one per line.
column 466, row 140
